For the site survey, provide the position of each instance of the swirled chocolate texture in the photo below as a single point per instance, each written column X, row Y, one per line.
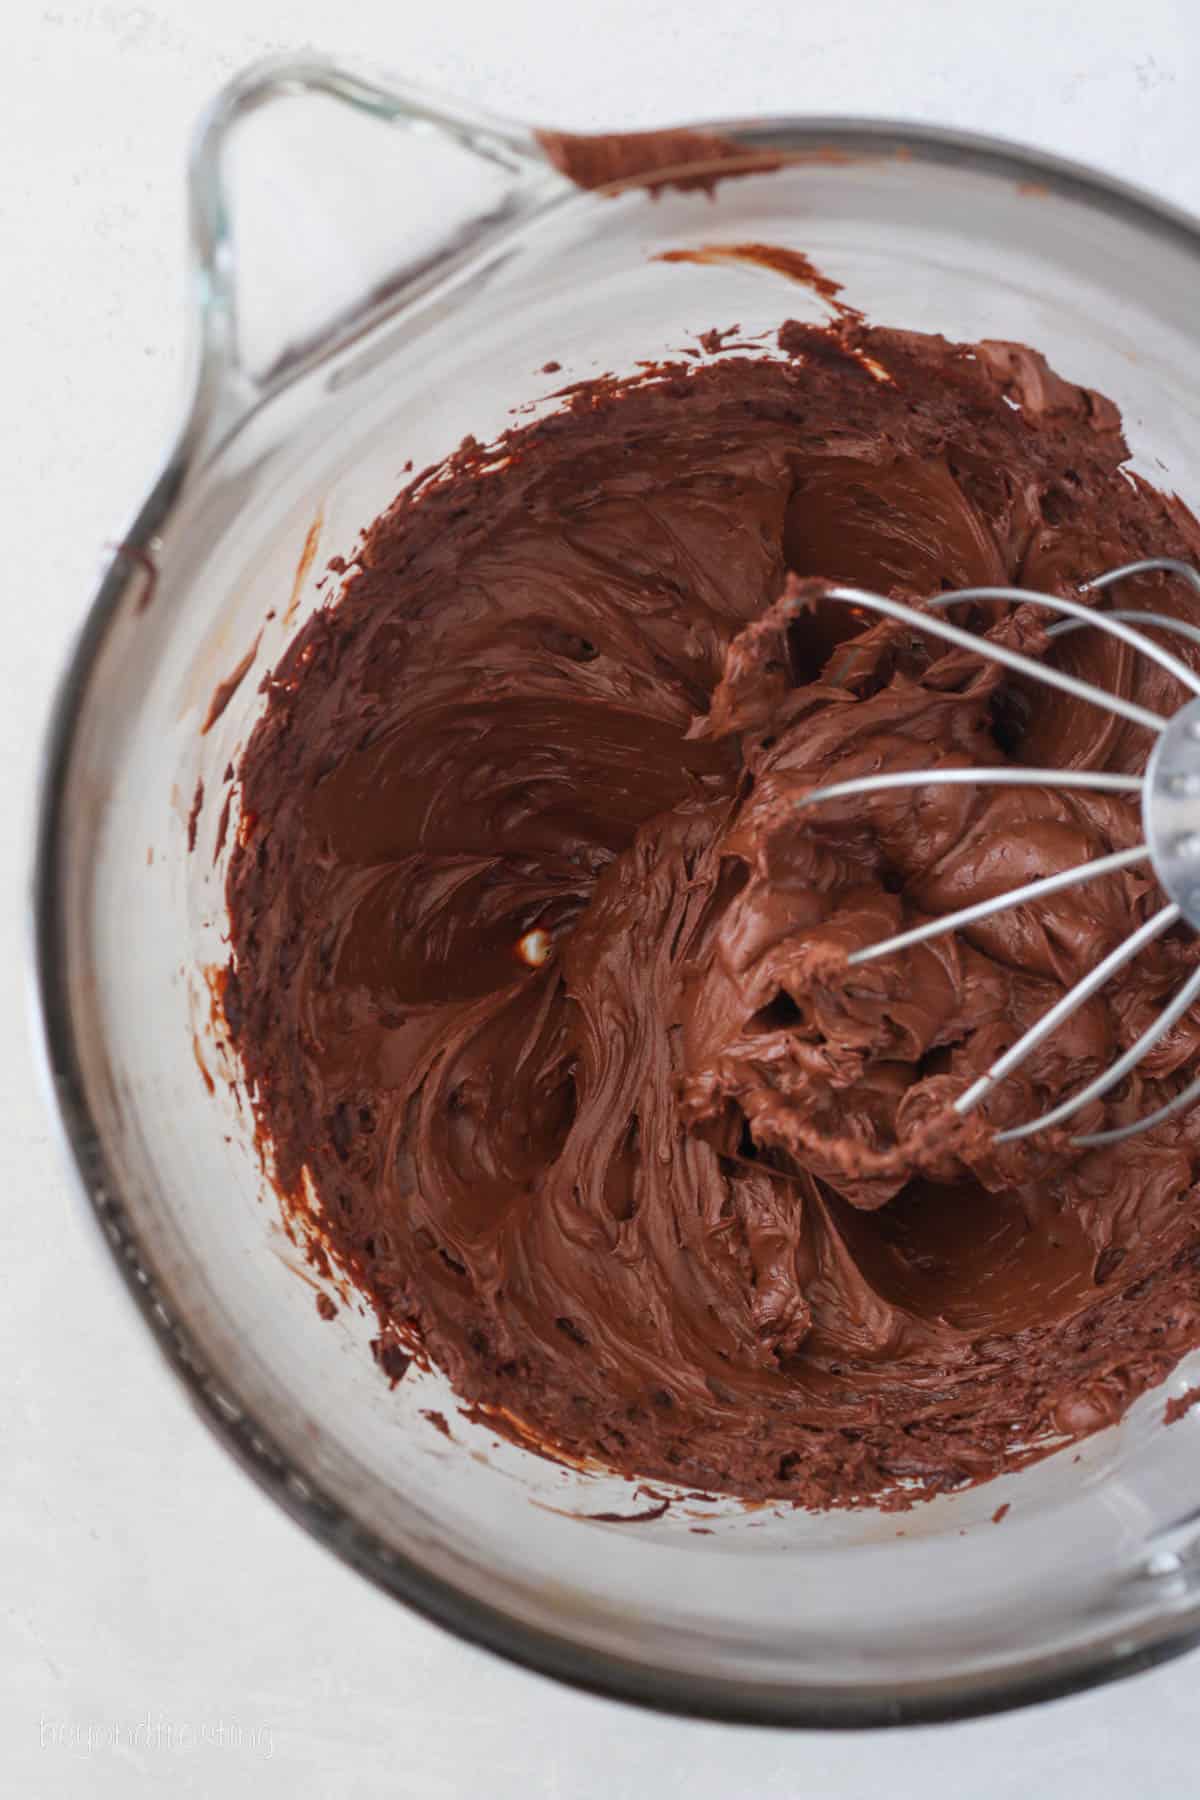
column 539, row 971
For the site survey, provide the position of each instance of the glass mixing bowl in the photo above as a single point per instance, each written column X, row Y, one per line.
column 377, row 274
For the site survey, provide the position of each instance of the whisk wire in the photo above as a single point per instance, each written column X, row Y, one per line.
column 986, row 909
column 1164, row 621
column 1185, row 1098
column 1148, row 565
column 1100, row 781
column 999, row 653
column 1124, row 1064
column 1086, row 615
column 1063, row 1009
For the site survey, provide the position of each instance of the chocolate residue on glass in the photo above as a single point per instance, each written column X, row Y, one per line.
column 206, row 1076
column 222, row 826
column 193, row 818
column 307, row 554
column 778, row 258
column 225, row 690
column 678, row 158
column 1180, row 1405
column 645, row 1517
column 668, row 1197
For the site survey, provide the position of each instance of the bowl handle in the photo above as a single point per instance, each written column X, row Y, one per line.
column 312, row 215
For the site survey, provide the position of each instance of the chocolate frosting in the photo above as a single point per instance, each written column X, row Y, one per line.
column 539, row 963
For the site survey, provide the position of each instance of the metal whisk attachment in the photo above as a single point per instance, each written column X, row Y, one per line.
column 1170, row 792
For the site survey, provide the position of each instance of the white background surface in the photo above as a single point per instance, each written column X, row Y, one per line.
column 144, row 1581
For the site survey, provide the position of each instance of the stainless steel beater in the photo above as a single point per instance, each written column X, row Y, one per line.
column 1170, row 793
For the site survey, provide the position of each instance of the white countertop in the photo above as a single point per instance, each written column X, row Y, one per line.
column 162, row 1628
